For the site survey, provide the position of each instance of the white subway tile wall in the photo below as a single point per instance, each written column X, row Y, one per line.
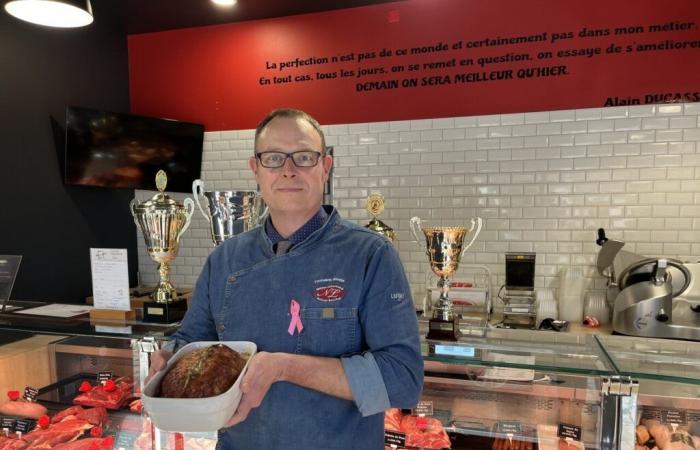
column 542, row 182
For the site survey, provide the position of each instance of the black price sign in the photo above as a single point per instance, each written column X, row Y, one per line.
column 509, row 427
column 102, row 377
column 566, row 430
column 673, row 416
column 394, row 438
column 423, row 408
column 24, row 426
column 30, row 393
column 7, row 423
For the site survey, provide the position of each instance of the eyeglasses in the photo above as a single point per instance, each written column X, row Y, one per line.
column 302, row 158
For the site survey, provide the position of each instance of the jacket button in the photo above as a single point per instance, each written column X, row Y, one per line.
column 231, row 279
column 222, row 328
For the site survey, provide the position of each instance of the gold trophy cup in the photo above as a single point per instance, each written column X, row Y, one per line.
column 375, row 206
column 445, row 247
column 162, row 221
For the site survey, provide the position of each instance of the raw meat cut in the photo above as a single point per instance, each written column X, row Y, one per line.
column 110, row 399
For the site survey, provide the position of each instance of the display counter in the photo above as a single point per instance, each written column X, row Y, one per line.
column 494, row 389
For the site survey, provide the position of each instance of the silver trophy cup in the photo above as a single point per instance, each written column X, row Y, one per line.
column 229, row 212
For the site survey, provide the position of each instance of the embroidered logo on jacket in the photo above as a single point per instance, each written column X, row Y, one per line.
column 330, row 289
column 330, row 293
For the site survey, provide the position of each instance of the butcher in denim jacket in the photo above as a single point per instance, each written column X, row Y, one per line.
column 326, row 301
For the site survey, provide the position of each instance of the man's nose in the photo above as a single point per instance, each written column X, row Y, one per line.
column 289, row 169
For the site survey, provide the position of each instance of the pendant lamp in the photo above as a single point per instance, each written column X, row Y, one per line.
column 52, row 13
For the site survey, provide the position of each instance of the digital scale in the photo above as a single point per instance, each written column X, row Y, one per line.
column 519, row 309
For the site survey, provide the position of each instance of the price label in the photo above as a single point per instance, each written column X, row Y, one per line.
column 566, row 430
column 102, row 377
column 24, row 426
column 673, row 416
column 423, row 408
column 509, row 427
column 30, row 394
column 394, row 438
column 7, row 423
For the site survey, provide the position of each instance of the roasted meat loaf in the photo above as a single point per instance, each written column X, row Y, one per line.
column 205, row 372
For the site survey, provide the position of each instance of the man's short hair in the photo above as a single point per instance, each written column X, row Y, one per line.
column 289, row 113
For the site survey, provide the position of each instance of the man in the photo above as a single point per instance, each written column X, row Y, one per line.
column 326, row 301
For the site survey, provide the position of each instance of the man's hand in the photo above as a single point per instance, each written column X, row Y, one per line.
column 263, row 370
column 159, row 359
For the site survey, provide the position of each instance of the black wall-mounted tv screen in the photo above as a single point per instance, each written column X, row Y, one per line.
column 126, row 151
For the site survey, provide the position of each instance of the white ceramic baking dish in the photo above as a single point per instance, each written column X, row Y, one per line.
column 195, row 414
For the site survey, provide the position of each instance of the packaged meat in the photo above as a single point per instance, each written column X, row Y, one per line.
column 205, row 372
column 392, row 419
column 424, row 432
column 21, row 408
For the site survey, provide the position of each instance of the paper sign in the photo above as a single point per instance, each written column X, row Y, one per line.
column 423, row 408
column 57, row 310
column 110, row 278
column 102, row 377
column 566, row 430
column 394, row 438
column 30, row 393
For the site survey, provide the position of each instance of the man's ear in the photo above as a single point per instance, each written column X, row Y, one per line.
column 327, row 164
column 253, row 164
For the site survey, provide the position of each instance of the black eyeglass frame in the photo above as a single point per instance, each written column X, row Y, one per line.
column 287, row 156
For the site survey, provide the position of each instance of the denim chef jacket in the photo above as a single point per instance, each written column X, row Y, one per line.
column 355, row 304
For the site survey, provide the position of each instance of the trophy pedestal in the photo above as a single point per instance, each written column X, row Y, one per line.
column 156, row 312
column 443, row 330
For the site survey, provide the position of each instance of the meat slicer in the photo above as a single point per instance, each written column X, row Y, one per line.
column 650, row 297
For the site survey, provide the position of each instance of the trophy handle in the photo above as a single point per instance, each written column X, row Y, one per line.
column 415, row 227
column 132, row 208
column 189, row 209
column 478, row 222
column 197, row 191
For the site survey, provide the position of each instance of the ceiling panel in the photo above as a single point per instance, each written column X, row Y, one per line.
column 145, row 16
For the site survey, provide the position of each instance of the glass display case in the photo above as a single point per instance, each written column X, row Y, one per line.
column 667, row 412
column 521, row 390
column 495, row 389
column 63, row 365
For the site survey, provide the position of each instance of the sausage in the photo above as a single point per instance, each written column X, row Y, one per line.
column 22, row 409
column 659, row 431
column 642, row 434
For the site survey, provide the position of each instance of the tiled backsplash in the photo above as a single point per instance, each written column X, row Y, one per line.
column 543, row 182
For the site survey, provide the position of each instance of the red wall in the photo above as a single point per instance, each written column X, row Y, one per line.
column 212, row 75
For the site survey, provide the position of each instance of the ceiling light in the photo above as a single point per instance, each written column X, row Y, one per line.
column 224, row 2
column 52, row 13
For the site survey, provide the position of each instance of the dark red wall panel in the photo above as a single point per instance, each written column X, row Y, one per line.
column 613, row 53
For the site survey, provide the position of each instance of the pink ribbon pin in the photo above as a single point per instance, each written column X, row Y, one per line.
column 296, row 319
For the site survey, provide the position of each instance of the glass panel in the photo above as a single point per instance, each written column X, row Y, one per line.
column 484, row 414
column 522, row 353
column 78, row 325
column 655, row 359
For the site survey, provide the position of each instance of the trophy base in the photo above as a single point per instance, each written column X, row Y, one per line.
column 155, row 312
column 443, row 330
